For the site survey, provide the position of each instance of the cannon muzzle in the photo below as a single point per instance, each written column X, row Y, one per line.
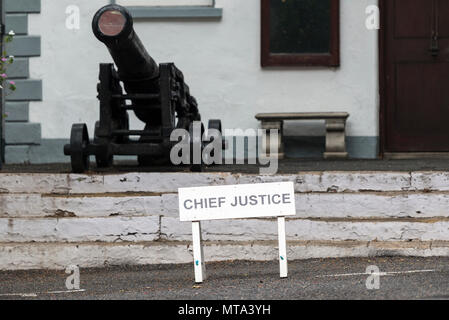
column 113, row 25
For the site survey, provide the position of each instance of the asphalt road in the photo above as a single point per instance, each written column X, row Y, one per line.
column 400, row 278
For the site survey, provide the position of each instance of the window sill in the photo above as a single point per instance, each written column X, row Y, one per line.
column 175, row 12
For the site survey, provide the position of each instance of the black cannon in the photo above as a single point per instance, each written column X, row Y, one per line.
column 157, row 94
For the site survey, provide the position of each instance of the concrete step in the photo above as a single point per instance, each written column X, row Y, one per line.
column 58, row 256
column 152, row 228
column 412, row 205
column 305, row 182
column 382, row 212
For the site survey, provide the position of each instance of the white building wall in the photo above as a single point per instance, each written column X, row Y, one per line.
column 221, row 63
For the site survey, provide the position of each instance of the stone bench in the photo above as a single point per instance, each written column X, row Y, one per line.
column 335, row 130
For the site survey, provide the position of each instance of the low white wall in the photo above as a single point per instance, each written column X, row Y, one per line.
column 221, row 63
column 47, row 220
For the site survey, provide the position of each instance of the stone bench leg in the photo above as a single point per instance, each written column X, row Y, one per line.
column 335, row 139
column 273, row 125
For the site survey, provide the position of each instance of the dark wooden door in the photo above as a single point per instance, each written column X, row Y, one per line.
column 416, row 76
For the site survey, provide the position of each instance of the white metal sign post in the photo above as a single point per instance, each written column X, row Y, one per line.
column 236, row 202
column 198, row 253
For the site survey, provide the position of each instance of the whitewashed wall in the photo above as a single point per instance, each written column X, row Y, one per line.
column 56, row 220
column 221, row 61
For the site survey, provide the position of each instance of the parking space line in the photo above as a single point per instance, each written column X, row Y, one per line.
column 390, row 273
column 35, row 294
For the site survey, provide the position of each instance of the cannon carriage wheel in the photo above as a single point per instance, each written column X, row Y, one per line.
column 103, row 160
column 79, row 142
column 196, row 141
column 216, row 125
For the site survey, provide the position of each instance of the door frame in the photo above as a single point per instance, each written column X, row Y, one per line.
column 382, row 79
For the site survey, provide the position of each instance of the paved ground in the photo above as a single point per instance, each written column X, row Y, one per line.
column 405, row 278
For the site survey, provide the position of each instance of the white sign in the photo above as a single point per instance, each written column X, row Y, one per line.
column 237, row 201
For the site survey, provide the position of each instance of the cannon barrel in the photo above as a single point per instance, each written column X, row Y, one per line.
column 113, row 25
